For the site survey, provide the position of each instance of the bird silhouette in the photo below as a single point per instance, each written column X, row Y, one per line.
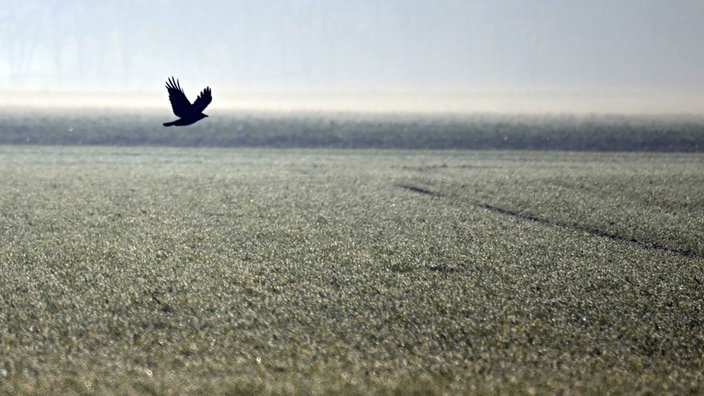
column 186, row 112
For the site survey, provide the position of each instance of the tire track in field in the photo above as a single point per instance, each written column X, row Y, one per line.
column 593, row 231
column 419, row 190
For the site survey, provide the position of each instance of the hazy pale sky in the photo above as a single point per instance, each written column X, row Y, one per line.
column 538, row 53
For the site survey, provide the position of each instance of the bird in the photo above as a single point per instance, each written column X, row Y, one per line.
column 186, row 112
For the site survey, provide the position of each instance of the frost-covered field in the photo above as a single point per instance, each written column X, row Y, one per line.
column 147, row 269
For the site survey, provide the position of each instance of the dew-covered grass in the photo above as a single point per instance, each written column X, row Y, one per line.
column 200, row 271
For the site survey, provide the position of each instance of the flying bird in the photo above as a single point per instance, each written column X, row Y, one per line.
column 186, row 112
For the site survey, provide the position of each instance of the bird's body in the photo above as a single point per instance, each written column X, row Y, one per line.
column 185, row 120
column 188, row 113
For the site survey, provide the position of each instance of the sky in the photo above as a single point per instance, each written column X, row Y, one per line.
column 437, row 55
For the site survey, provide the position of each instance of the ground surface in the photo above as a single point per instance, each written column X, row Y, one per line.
column 140, row 270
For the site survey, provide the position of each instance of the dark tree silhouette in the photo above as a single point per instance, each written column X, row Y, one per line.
column 188, row 113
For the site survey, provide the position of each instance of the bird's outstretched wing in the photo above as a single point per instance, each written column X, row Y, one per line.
column 202, row 101
column 179, row 102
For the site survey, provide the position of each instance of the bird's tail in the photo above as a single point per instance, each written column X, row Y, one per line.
column 168, row 124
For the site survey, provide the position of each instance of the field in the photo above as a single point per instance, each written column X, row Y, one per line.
column 166, row 270
column 612, row 133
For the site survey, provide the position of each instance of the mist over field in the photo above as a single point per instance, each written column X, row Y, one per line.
column 349, row 130
column 421, row 56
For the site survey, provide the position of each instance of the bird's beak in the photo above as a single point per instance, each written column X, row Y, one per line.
column 205, row 115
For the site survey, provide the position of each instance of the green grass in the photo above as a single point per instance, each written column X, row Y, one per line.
column 200, row 271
